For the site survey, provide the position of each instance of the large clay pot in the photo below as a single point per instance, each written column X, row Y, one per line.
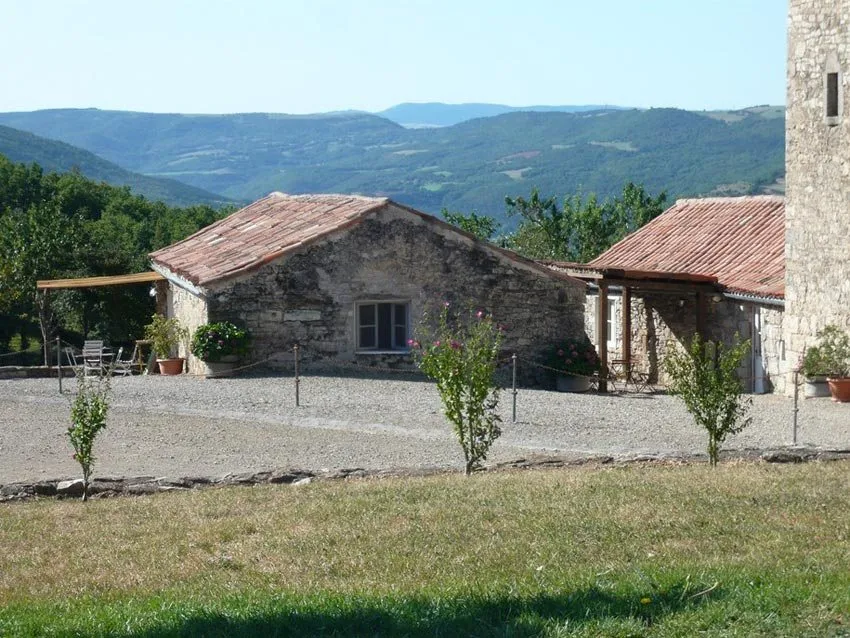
column 816, row 387
column 221, row 368
column 840, row 389
column 569, row 383
column 170, row 366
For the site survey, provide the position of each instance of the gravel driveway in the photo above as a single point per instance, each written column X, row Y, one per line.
column 182, row 426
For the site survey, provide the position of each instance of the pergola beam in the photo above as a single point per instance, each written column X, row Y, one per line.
column 97, row 282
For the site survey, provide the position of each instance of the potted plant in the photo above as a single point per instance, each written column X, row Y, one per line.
column 815, row 371
column 575, row 363
column 834, row 349
column 165, row 336
column 220, row 345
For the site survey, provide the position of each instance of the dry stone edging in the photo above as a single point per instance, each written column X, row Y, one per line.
column 105, row 487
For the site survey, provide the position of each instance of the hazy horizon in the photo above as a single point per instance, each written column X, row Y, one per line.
column 318, row 56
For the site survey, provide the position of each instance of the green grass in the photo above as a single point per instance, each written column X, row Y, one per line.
column 745, row 550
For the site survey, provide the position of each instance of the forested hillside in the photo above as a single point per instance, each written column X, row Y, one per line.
column 51, row 155
column 469, row 166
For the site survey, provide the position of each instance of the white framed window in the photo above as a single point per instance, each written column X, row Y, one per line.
column 612, row 323
column 383, row 326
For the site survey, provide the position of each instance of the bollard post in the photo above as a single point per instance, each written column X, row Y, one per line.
column 513, row 387
column 297, row 380
column 796, row 406
column 59, row 363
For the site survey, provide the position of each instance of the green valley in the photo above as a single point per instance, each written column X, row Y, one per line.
column 471, row 165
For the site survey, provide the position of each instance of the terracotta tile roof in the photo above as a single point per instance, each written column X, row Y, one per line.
column 261, row 232
column 738, row 240
column 275, row 225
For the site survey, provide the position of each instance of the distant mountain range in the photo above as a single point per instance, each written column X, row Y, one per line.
column 471, row 165
column 20, row 146
column 425, row 114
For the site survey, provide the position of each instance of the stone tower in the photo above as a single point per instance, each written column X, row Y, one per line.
column 817, row 163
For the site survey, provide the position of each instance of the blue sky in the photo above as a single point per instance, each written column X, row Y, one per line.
column 302, row 56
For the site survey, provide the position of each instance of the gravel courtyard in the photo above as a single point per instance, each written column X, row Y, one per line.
column 187, row 426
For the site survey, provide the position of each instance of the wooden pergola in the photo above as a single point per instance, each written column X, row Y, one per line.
column 160, row 283
column 630, row 281
column 150, row 276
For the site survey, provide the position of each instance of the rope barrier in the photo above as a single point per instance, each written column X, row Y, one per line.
column 13, row 354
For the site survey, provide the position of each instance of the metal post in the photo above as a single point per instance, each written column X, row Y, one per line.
column 59, row 363
column 513, row 388
column 297, row 379
column 796, row 406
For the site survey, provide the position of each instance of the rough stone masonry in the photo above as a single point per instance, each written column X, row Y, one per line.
column 817, row 207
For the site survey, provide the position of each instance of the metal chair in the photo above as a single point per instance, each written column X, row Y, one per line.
column 124, row 367
column 92, row 357
column 74, row 363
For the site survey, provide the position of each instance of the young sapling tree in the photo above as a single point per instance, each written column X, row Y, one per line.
column 88, row 417
column 705, row 376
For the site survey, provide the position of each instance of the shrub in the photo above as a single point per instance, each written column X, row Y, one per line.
column 166, row 335
column 461, row 355
column 212, row 341
column 574, row 356
column 833, row 350
column 88, row 417
column 705, row 376
column 813, row 364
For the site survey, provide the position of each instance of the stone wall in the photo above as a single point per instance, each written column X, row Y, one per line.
column 310, row 297
column 191, row 310
column 663, row 321
column 817, row 205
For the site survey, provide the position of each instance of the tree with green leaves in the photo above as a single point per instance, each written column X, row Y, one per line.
column 705, row 376
column 483, row 227
column 583, row 228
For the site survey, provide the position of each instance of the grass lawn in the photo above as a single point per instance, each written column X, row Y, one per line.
column 744, row 550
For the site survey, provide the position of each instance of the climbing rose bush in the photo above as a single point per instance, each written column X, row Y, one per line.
column 461, row 354
column 574, row 356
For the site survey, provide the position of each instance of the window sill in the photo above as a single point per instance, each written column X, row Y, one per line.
column 382, row 352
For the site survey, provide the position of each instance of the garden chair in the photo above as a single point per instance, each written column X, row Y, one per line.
column 92, row 357
column 124, row 367
column 74, row 363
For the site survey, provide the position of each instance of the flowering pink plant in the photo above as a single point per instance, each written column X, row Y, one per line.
column 460, row 352
column 574, row 356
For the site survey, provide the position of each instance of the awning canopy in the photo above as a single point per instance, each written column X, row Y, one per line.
column 97, row 282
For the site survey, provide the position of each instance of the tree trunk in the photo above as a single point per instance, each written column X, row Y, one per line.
column 46, row 322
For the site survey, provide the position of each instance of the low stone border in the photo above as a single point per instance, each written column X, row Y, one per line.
column 34, row 372
column 105, row 487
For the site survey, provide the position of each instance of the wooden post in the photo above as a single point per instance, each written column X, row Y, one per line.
column 297, row 379
column 627, row 330
column 702, row 315
column 602, row 335
column 513, row 388
column 161, row 297
column 59, row 362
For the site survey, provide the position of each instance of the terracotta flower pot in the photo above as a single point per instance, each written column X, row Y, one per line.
column 840, row 389
column 170, row 366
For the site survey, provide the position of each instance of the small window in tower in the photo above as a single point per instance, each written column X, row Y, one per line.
column 832, row 94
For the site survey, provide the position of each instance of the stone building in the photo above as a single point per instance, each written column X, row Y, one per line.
column 348, row 278
column 713, row 266
column 817, row 167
